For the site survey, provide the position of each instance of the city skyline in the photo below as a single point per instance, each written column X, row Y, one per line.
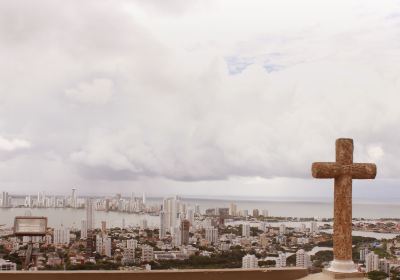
column 196, row 97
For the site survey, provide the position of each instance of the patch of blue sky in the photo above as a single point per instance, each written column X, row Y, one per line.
column 237, row 64
column 269, row 67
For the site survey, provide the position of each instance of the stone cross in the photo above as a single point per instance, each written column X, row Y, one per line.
column 343, row 171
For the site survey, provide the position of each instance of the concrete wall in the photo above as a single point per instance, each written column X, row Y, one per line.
column 214, row 274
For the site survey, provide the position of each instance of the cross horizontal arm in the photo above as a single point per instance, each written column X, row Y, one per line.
column 363, row 171
column 326, row 170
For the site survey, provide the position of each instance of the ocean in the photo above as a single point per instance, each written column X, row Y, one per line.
column 279, row 207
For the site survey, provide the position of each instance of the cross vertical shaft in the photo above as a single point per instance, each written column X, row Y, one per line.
column 342, row 227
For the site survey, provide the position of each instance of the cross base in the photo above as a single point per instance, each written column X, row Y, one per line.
column 342, row 266
column 342, row 275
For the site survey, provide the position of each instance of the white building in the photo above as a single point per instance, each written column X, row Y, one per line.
column 246, row 230
column 147, row 254
column 107, row 246
column 249, row 261
column 5, row 200
column 7, row 265
column 190, row 215
column 263, row 226
column 131, row 243
column 303, row 259
column 143, row 224
column 363, row 253
column 314, row 227
column 177, row 236
column 28, row 201
column 302, row 240
column 371, row 262
column 280, row 260
column 61, row 236
column 264, row 212
column 128, row 256
column 282, row 229
column 171, row 208
column 212, row 235
column 384, row 265
column 103, row 245
column 232, row 209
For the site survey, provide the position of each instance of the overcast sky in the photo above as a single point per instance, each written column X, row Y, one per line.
column 203, row 97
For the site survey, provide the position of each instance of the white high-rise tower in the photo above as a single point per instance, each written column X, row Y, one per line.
column 171, row 208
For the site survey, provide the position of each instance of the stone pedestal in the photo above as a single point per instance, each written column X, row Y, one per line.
column 343, row 275
column 342, row 266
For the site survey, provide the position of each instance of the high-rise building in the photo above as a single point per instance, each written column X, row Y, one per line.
column 371, row 262
column 143, row 224
column 28, row 201
column 197, row 210
column 177, row 236
column 314, row 227
column 263, row 226
column 103, row 245
column 147, row 253
column 281, row 260
column 107, row 246
column 90, row 243
column 232, row 209
column 5, row 200
column 103, row 226
column 163, row 225
column 123, row 223
column 303, row 259
column 212, row 235
column 282, row 229
column 128, row 256
column 384, row 265
column 185, row 227
column 90, row 214
column 61, row 236
column 41, row 199
column 190, row 215
column 264, row 212
column 84, row 229
column 256, row 213
column 171, row 207
column 131, row 243
column 144, row 199
column 246, row 230
column 363, row 253
column 73, row 198
column 249, row 262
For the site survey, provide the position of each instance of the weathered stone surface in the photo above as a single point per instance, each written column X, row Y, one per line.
column 343, row 171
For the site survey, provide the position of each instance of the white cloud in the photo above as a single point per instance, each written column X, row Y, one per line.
column 375, row 152
column 98, row 91
column 10, row 145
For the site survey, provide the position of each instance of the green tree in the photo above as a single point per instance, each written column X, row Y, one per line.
column 377, row 275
